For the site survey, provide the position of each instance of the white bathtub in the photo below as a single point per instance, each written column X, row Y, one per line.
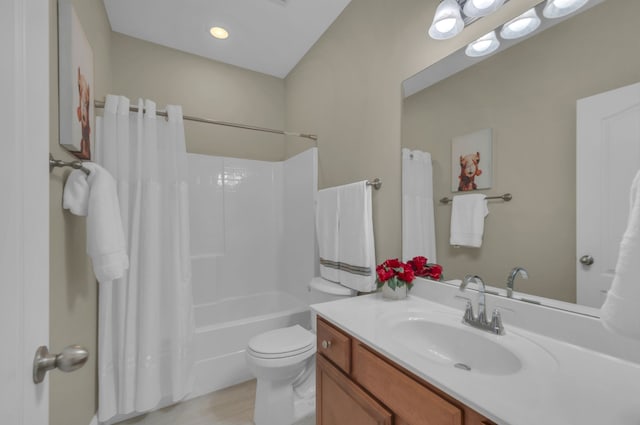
column 224, row 328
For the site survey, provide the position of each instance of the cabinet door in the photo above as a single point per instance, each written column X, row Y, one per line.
column 411, row 402
column 339, row 401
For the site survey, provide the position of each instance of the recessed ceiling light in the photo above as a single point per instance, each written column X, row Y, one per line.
column 219, row 33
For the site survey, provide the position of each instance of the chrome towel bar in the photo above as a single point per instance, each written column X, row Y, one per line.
column 506, row 197
column 54, row 163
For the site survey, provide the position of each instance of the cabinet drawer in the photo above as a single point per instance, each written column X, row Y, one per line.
column 334, row 345
column 412, row 402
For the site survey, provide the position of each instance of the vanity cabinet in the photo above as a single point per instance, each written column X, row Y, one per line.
column 357, row 385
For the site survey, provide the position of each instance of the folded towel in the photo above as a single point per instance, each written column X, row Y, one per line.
column 467, row 220
column 105, row 236
column 327, row 233
column 620, row 312
column 356, row 252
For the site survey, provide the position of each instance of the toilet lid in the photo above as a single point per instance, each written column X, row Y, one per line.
column 326, row 287
column 291, row 341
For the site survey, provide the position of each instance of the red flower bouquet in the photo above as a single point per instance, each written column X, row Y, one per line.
column 422, row 268
column 396, row 274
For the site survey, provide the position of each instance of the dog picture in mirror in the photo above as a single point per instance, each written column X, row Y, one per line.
column 471, row 161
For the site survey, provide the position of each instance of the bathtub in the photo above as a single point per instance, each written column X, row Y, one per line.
column 223, row 330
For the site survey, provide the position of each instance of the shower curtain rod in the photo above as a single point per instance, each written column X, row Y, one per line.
column 100, row 104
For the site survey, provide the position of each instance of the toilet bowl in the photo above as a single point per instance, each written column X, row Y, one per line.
column 283, row 361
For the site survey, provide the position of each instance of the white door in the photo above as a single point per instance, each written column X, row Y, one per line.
column 608, row 157
column 24, row 207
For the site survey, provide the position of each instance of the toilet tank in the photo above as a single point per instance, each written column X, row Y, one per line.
column 321, row 290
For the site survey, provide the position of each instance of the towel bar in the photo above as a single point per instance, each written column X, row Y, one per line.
column 53, row 163
column 376, row 183
column 506, row 197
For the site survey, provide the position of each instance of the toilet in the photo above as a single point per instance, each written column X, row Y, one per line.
column 283, row 361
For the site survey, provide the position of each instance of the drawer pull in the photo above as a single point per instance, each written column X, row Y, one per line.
column 326, row 344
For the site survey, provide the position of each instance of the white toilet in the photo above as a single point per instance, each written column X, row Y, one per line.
column 283, row 361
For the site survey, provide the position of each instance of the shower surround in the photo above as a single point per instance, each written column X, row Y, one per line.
column 253, row 252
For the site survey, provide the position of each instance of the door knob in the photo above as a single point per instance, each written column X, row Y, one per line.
column 71, row 358
column 587, row 260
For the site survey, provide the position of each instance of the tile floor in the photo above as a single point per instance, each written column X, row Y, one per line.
column 231, row 406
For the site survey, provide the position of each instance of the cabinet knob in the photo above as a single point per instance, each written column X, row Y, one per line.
column 326, row 344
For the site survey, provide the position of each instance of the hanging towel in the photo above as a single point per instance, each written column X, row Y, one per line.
column 105, row 236
column 418, row 223
column 327, row 233
column 621, row 310
column 75, row 197
column 467, row 220
column 356, row 252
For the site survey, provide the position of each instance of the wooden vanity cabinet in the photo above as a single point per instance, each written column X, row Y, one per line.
column 358, row 386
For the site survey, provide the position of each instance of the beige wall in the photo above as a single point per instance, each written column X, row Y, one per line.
column 205, row 89
column 73, row 314
column 347, row 90
column 527, row 95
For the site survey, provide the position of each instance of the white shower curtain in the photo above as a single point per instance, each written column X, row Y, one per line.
column 418, row 225
column 145, row 336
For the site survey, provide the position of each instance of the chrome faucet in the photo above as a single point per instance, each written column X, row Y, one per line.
column 480, row 321
column 512, row 277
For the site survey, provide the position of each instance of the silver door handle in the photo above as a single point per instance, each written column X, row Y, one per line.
column 71, row 358
column 587, row 260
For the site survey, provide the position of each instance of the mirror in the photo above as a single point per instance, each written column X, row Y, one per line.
column 527, row 95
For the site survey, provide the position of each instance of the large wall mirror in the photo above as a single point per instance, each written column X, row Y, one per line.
column 527, row 95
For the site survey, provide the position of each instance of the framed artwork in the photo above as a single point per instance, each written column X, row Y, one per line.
column 75, row 83
column 471, row 161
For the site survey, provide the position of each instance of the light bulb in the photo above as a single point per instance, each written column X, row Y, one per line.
column 447, row 21
column 479, row 8
column 485, row 45
column 521, row 26
column 560, row 8
column 446, row 25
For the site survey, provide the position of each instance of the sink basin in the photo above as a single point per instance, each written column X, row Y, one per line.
column 456, row 345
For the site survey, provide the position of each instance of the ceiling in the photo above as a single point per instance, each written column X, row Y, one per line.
column 267, row 36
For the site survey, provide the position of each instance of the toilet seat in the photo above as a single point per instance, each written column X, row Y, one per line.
column 282, row 343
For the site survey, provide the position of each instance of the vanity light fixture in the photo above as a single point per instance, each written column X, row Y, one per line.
column 479, row 8
column 559, row 8
column 219, row 33
column 447, row 22
column 452, row 16
column 483, row 46
column 521, row 26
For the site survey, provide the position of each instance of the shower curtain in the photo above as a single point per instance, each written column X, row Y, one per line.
column 418, row 224
column 146, row 326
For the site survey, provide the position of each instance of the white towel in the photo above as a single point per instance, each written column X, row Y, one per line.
column 105, row 236
column 75, row 197
column 621, row 310
column 356, row 250
column 418, row 223
column 327, row 233
column 467, row 220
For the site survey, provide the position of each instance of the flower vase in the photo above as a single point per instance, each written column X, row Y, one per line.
column 398, row 294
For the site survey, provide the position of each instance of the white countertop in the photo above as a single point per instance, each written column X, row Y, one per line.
column 558, row 384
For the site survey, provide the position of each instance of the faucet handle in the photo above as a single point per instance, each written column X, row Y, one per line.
column 496, row 323
column 468, row 313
